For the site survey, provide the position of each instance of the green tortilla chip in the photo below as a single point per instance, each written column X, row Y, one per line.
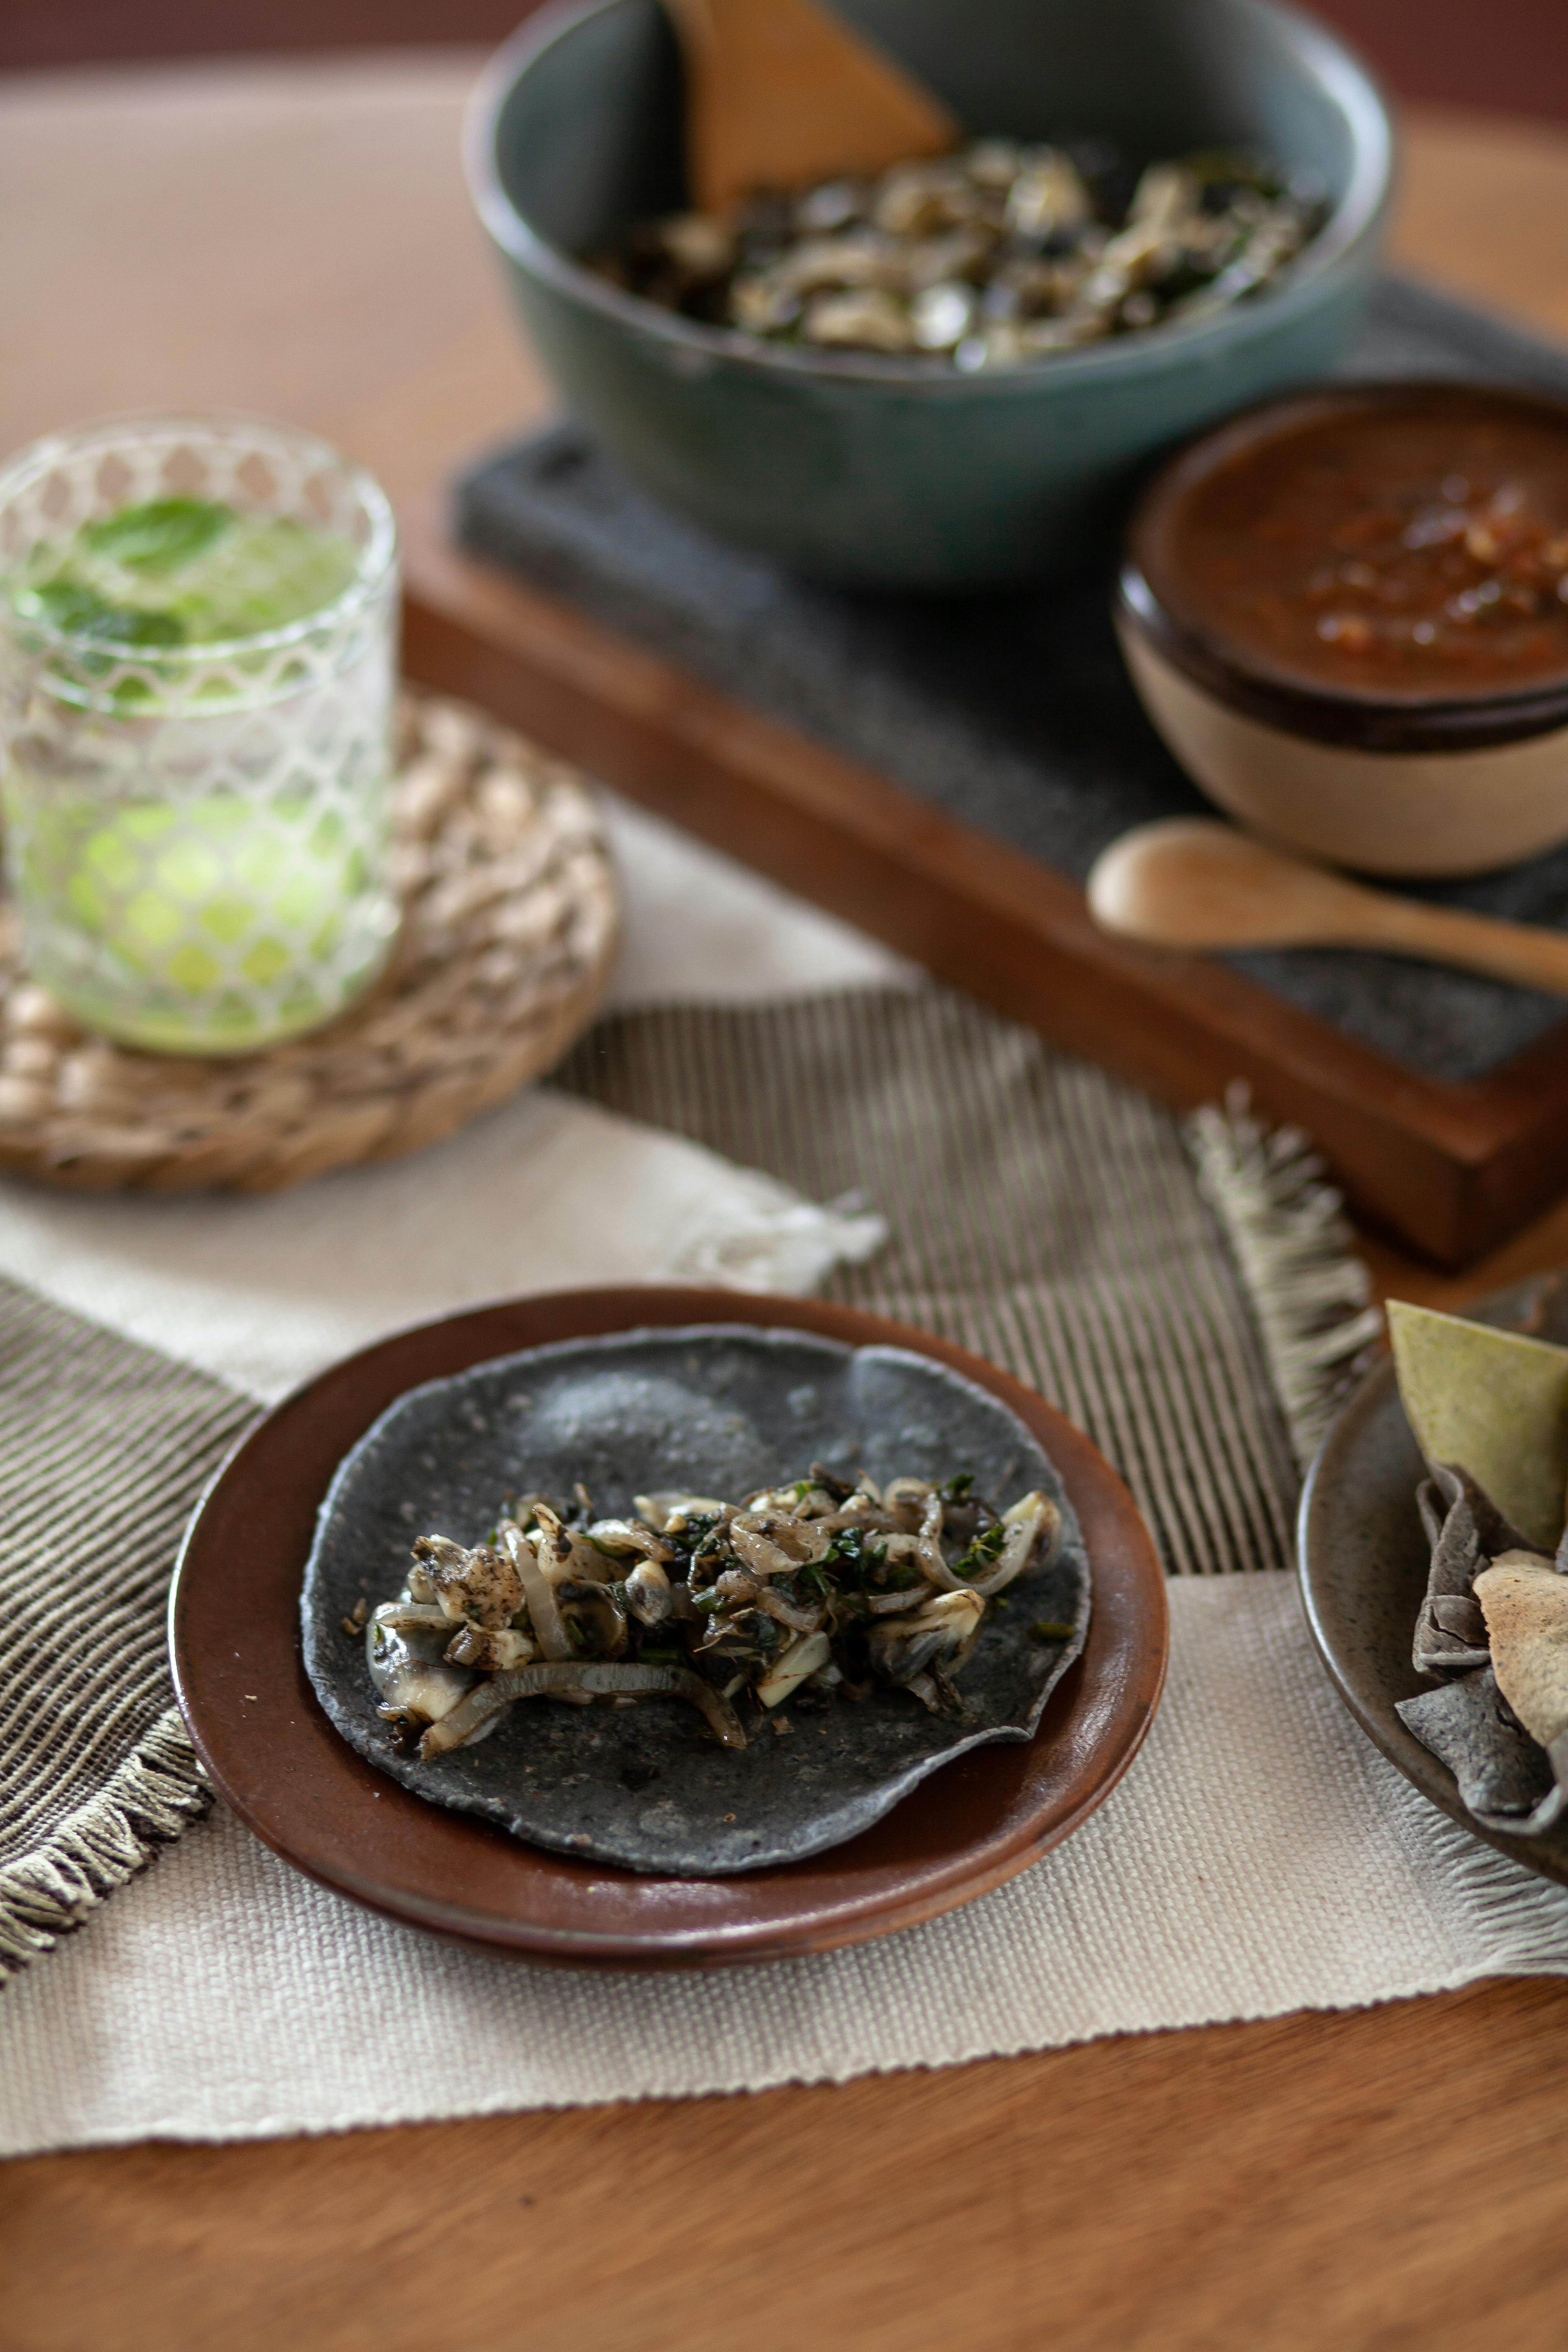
column 1491, row 1402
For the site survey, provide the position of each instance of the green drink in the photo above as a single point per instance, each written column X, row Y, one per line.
column 196, row 693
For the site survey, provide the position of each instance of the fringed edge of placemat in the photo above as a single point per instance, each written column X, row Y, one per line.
column 150, row 1798
column 1311, row 1293
column 1515, row 1917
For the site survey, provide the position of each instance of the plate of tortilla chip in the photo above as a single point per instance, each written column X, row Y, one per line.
column 1434, row 1550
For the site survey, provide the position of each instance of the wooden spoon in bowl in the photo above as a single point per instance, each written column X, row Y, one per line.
column 1186, row 882
column 780, row 94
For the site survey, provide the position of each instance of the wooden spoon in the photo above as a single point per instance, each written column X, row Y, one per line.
column 780, row 94
column 1187, row 883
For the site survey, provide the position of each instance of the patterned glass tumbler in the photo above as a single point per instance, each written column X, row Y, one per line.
column 198, row 623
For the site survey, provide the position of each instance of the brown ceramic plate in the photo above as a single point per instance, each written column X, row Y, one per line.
column 274, row 1756
column 1365, row 1563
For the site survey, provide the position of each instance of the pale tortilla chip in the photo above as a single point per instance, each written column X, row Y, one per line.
column 1525, row 1604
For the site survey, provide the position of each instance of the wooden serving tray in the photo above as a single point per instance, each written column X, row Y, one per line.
column 1452, row 1170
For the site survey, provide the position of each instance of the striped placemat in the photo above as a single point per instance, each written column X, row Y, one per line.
column 104, row 1449
column 1040, row 1213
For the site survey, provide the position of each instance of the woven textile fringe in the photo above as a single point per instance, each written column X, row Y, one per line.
column 96, row 1773
column 1479, row 1896
column 154, row 1794
column 1310, row 1293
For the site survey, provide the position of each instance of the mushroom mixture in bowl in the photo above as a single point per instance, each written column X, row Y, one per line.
column 730, row 1607
column 999, row 255
column 817, row 414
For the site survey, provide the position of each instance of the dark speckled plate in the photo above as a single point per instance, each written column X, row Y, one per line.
column 717, row 1409
column 278, row 1759
column 1365, row 1563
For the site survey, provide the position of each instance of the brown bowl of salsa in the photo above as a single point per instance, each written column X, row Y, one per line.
column 1347, row 614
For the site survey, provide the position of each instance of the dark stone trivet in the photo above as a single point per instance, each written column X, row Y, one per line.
column 1012, row 713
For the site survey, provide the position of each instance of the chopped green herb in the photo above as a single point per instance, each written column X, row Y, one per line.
column 852, row 1548
column 861, row 1614
column 983, row 1553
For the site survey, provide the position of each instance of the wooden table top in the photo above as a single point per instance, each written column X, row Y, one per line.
column 295, row 239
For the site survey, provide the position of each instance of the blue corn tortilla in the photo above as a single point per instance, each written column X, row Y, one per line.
column 717, row 1410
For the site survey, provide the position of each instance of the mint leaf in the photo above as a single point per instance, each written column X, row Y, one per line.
column 78, row 610
column 159, row 536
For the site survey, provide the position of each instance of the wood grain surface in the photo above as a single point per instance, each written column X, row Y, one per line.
column 1359, row 2183
column 295, row 239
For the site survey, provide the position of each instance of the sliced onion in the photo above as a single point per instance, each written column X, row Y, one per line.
column 798, row 1663
column 629, row 1536
column 670, row 1513
column 1033, row 1526
column 882, row 1604
column 409, row 1616
column 921, row 1685
column 749, row 1592
column 761, row 1555
column 930, row 1552
column 592, row 1678
column 940, row 1612
column 924, row 1551
column 939, row 1635
column 772, row 1543
column 544, row 1616
column 799, row 1618
column 909, row 1499
column 567, row 1551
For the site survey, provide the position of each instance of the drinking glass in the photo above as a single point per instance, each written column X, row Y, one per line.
column 196, row 834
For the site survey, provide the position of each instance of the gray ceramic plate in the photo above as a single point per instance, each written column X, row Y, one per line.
column 722, row 1408
column 1364, row 1563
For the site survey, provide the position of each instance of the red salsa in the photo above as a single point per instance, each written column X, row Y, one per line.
column 1413, row 547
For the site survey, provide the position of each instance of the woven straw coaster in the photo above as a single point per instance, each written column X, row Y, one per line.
column 510, row 924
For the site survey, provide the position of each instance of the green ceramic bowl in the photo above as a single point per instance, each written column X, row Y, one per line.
column 888, row 473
